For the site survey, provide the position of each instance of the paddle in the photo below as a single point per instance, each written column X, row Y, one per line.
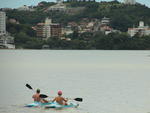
column 28, row 86
column 45, row 96
column 76, row 99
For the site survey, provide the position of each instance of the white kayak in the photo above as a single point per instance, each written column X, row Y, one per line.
column 56, row 105
column 52, row 105
column 37, row 104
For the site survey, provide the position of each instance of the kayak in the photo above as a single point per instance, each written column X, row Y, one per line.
column 58, row 106
column 52, row 105
column 37, row 104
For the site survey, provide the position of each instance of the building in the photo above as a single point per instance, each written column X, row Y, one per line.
column 81, row 0
column 58, row 7
column 141, row 30
column 56, row 30
column 43, row 29
column 131, row 2
column 40, row 30
column 7, row 42
column 25, row 8
column 105, row 26
column 48, row 29
column 74, row 10
column 67, row 30
column 2, row 23
column 105, row 21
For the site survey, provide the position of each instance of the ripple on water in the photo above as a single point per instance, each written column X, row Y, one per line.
column 22, row 109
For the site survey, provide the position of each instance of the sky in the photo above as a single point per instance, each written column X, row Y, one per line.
column 18, row 3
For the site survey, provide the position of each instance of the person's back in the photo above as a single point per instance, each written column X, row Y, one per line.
column 59, row 99
column 36, row 97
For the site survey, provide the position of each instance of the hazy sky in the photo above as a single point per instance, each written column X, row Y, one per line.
column 18, row 3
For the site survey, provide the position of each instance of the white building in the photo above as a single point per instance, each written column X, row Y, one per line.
column 67, row 30
column 131, row 2
column 105, row 21
column 7, row 42
column 58, row 7
column 105, row 26
column 48, row 22
column 141, row 30
column 2, row 23
column 25, row 8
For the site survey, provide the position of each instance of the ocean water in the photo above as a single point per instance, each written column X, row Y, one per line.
column 108, row 81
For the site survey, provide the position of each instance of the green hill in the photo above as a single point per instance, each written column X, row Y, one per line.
column 122, row 17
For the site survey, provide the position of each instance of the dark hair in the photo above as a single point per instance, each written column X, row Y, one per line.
column 38, row 90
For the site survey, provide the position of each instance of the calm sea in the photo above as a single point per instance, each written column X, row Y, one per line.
column 108, row 81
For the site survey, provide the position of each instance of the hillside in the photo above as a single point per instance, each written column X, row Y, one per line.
column 121, row 18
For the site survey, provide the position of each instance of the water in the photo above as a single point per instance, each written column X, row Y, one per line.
column 108, row 81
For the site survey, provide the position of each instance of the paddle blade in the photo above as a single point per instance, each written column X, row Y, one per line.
column 28, row 86
column 78, row 99
column 43, row 96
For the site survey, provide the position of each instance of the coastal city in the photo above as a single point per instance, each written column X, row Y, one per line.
column 49, row 28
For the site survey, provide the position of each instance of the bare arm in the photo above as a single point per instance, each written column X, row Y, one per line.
column 54, row 100
column 65, row 99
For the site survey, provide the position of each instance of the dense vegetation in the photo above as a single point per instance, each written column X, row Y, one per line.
column 122, row 17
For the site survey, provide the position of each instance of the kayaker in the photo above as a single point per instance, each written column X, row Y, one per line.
column 36, row 97
column 59, row 99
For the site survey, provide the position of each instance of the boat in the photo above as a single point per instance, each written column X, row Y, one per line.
column 58, row 106
column 37, row 104
column 52, row 105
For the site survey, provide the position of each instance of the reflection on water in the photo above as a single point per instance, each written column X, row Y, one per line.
column 108, row 81
column 22, row 109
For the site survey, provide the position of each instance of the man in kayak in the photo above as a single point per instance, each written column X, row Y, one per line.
column 36, row 97
column 59, row 99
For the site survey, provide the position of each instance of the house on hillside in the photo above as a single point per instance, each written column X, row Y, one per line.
column 48, row 29
column 141, row 30
column 81, row 0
